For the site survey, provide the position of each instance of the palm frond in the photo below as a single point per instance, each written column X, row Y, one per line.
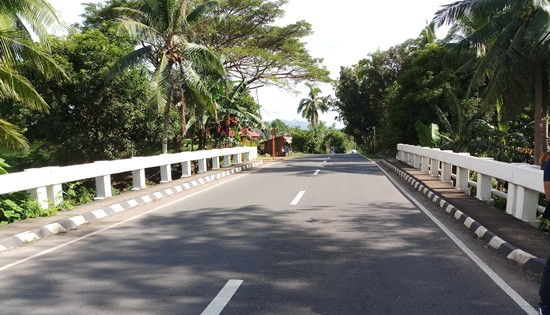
column 14, row 48
column 199, row 11
column 139, row 30
column 11, row 136
column 133, row 58
column 16, row 87
column 161, row 84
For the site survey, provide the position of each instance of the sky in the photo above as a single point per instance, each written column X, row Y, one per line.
column 344, row 33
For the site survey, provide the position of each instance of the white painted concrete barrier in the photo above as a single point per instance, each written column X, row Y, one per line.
column 45, row 183
column 525, row 182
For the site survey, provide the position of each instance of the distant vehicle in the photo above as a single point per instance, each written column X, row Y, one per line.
column 281, row 142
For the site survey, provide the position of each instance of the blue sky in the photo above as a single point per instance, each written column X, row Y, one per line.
column 344, row 33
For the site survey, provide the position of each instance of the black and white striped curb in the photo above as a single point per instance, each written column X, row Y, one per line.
column 525, row 260
column 73, row 223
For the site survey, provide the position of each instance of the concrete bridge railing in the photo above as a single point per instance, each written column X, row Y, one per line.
column 525, row 181
column 45, row 184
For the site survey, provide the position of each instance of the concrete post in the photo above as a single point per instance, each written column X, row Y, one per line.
column 40, row 194
column 434, row 168
column 511, row 199
column 202, row 166
column 446, row 172
column 55, row 193
column 247, row 156
column 227, row 161
column 138, row 179
column 216, row 163
column 484, row 187
column 237, row 158
column 165, row 173
column 462, row 177
column 526, row 204
column 417, row 161
column 186, row 169
column 103, row 187
column 425, row 164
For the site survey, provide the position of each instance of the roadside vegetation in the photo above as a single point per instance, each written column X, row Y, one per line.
column 141, row 77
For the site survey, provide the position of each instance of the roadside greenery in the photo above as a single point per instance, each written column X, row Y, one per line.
column 143, row 77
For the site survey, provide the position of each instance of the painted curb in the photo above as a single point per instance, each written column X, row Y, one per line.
column 64, row 225
column 524, row 259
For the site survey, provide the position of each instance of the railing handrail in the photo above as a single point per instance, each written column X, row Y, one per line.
column 524, row 175
column 48, row 176
column 524, row 181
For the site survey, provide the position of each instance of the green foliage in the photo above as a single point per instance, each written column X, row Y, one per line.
column 428, row 135
column 311, row 106
column 90, row 120
column 18, row 206
column 280, row 127
column 363, row 92
column 256, row 50
column 77, row 193
column 17, row 18
column 3, row 166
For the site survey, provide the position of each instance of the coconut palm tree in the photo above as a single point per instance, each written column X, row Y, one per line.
column 163, row 28
column 512, row 41
column 18, row 20
column 310, row 107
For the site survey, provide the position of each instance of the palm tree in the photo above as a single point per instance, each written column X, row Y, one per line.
column 511, row 39
column 310, row 107
column 163, row 28
column 18, row 20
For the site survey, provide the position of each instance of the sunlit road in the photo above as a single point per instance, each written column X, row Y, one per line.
column 314, row 235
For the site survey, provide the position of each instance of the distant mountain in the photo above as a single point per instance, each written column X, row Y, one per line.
column 296, row 123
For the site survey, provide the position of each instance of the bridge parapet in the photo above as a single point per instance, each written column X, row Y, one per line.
column 45, row 184
column 525, row 182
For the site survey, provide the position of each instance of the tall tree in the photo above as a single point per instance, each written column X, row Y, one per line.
column 310, row 107
column 164, row 27
column 256, row 50
column 18, row 20
column 512, row 41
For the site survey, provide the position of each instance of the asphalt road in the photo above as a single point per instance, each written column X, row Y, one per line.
column 314, row 235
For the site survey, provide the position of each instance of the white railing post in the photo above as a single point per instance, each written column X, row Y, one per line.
column 417, row 161
column 216, row 163
column 511, row 199
column 165, row 173
column 526, row 204
column 55, row 194
column 186, row 169
column 103, row 187
column 138, row 179
column 446, row 172
column 227, row 160
column 237, row 158
column 462, row 178
column 39, row 194
column 247, row 156
column 484, row 187
column 434, row 167
column 425, row 164
column 202, row 166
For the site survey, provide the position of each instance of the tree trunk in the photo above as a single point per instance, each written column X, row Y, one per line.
column 165, row 128
column 540, row 141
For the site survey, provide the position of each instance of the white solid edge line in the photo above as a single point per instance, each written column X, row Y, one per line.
column 316, row 172
column 53, row 249
column 220, row 301
column 297, row 198
column 524, row 305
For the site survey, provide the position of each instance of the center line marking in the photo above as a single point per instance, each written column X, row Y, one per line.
column 220, row 301
column 316, row 172
column 297, row 198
